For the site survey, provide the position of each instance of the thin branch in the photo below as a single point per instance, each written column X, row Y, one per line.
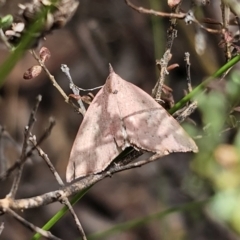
column 44, row 156
column 73, row 87
column 225, row 19
column 28, row 128
column 163, row 64
column 30, row 226
column 188, row 70
column 19, row 162
column 65, row 69
column 77, row 222
column 155, row 13
column 175, row 16
column 185, row 113
column 65, row 200
column 70, row 190
column 210, row 30
column 54, row 82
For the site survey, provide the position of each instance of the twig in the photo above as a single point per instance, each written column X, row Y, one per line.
column 19, row 162
column 28, row 128
column 73, row 87
column 65, row 69
column 187, row 112
column 155, row 13
column 30, row 226
column 191, row 107
column 54, row 82
column 78, row 224
column 163, row 63
column 70, row 190
column 225, row 18
column 44, row 156
column 210, row 30
column 176, row 15
column 172, row 32
column 188, row 71
column 65, row 200
column 47, row 132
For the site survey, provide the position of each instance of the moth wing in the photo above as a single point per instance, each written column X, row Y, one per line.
column 148, row 125
column 95, row 145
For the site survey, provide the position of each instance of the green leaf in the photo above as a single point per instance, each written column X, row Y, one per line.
column 6, row 21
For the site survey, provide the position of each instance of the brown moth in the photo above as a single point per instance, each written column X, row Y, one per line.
column 123, row 115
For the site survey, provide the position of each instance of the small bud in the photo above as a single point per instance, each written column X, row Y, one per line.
column 173, row 3
column 32, row 72
column 44, row 54
column 74, row 96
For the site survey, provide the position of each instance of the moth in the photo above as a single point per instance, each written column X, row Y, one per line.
column 122, row 115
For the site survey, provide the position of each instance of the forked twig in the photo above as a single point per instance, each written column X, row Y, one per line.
column 28, row 128
column 73, row 188
column 54, row 82
column 155, row 13
column 163, row 63
column 177, row 15
column 73, row 87
column 225, row 19
column 28, row 154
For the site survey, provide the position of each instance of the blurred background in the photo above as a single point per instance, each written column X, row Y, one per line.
column 103, row 32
